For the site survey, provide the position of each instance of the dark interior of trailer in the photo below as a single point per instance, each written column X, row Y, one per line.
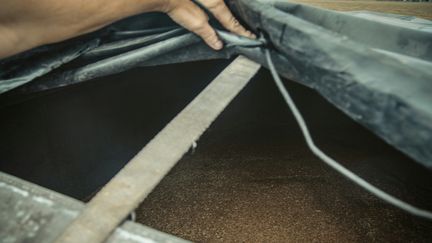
column 251, row 176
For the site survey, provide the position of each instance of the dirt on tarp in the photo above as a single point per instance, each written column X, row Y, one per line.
column 252, row 179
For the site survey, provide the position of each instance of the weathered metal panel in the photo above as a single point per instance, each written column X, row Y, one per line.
column 30, row 213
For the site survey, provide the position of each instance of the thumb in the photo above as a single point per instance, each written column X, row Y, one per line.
column 191, row 17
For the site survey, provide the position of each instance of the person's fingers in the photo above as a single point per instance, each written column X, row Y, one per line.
column 222, row 13
column 191, row 17
column 208, row 34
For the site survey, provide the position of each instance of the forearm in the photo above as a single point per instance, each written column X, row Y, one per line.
column 27, row 24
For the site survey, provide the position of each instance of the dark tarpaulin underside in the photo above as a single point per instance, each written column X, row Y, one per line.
column 377, row 68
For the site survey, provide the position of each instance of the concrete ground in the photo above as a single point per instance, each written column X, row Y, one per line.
column 418, row 9
column 252, row 179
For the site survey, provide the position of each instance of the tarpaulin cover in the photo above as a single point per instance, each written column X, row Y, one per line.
column 375, row 67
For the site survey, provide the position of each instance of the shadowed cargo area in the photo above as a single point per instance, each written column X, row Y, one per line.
column 250, row 179
column 92, row 130
column 142, row 121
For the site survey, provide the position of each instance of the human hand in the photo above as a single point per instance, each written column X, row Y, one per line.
column 27, row 24
column 192, row 17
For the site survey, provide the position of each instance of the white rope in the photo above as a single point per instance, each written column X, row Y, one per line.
column 334, row 164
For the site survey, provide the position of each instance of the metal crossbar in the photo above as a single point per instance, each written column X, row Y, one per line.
column 140, row 176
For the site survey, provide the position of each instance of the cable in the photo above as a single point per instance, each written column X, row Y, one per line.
column 334, row 164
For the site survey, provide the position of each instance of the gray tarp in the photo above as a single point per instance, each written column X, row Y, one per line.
column 377, row 68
